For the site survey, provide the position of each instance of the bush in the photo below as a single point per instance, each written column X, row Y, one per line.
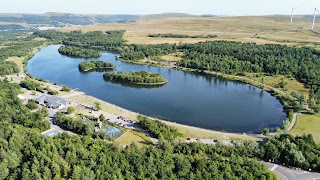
column 32, row 104
column 71, row 110
column 66, row 89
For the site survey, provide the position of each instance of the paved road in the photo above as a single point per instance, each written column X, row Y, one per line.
column 285, row 173
column 208, row 141
column 293, row 121
column 52, row 114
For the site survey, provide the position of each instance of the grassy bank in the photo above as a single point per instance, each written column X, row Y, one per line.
column 307, row 124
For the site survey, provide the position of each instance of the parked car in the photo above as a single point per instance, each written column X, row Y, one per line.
column 215, row 140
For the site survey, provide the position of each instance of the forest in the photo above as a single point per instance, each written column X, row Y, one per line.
column 95, row 65
column 137, row 52
column 72, row 51
column 15, row 45
column 96, row 40
column 8, row 67
column 141, row 77
column 169, row 35
column 157, row 128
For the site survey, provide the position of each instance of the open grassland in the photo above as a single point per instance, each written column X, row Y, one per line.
column 17, row 60
column 132, row 136
column 261, row 30
column 307, row 124
column 172, row 57
column 291, row 83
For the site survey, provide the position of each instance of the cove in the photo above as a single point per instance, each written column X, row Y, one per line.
column 191, row 99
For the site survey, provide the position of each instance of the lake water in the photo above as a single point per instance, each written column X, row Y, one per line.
column 191, row 99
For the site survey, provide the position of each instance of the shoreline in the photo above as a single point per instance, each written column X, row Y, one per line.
column 214, row 133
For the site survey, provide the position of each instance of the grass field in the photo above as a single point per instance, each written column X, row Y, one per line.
column 307, row 124
column 172, row 57
column 292, row 84
column 131, row 136
column 261, row 30
column 17, row 60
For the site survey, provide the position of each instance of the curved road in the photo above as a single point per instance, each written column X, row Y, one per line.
column 285, row 173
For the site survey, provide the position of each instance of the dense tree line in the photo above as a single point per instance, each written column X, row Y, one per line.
column 12, row 110
column 98, row 40
column 272, row 59
column 137, row 52
column 94, row 65
column 158, row 128
column 35, row 86
column 18, row 46
column 169, row 35
column 15, row 45
column 300, row 151
column 8, row 67
column 141, row 77
column 76, row 126
column 72, row 51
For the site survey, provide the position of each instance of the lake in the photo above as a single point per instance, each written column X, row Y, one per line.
column 190, row 99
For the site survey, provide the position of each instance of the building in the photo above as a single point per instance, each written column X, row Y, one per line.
column 53, row 102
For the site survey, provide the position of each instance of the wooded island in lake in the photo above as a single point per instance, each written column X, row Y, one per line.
column 142, row 77
column 95, row 65
column 78, row 52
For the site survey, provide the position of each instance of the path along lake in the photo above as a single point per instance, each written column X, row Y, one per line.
column 190, row 99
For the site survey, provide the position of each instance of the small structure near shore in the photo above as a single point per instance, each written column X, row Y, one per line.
column 53, row 102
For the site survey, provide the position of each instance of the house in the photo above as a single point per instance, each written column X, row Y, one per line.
column 53, row 102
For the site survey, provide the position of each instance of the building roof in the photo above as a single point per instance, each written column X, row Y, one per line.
column 52, row 101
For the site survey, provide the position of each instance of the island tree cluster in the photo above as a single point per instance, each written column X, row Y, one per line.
column 95, row 65
column 72, row 51
column 141, row 77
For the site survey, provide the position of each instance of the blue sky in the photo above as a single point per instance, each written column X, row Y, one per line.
column 215, row 7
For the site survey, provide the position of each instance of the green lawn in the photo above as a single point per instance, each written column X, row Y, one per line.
column 307, row 124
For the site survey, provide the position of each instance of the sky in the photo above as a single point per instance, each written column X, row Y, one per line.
column 140, row 7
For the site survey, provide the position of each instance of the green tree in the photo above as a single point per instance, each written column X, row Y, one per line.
column 265, row 131
column 70, row 110
column 97, row 106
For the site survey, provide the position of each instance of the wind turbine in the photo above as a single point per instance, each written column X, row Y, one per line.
column 292, row 15
column 314, row 18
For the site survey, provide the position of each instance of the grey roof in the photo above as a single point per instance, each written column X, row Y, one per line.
column 51, row 101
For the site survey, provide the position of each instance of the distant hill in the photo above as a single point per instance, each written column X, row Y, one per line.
column 63, row 19
column 164, row 15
